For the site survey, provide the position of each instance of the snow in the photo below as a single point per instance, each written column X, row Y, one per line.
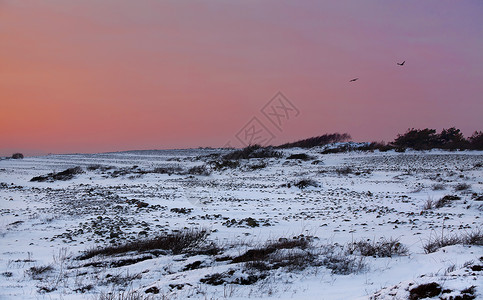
column 381, row 196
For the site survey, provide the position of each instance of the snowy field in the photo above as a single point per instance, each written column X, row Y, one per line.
column 324, row 226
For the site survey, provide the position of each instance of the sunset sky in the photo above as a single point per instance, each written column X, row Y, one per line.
column 104, row 75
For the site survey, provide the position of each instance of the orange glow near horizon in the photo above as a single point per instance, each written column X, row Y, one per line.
column 96, row 76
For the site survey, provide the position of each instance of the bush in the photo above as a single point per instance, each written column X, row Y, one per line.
column 64, row 175
column 301, row 156
column 344, row 171
column 35, row 272
column 383, row 248
column 304, row 183
column 17, row 156
column 318, row 141
column 462, row 187
column 176, row 242
column 429, row 204
column 342, row 264
column 177, row 170
column 438, row 187
column 254, row 151
column 224, row 164
column 257, row 166
column 262, row 253
column 445, row 201
column 128, row 295
column 199, row 170
column 469, row 238
column 285, row 253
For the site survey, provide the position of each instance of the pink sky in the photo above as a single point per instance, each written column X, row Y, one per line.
column 104, row 75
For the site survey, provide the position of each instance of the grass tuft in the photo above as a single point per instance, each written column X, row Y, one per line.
column 176, row 242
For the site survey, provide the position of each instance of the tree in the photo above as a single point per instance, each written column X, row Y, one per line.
column 418, row 139
column 452, row 138
column 476, row 140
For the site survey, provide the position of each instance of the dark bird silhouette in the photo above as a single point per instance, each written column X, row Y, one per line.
column 401, row 64
column 353, row 79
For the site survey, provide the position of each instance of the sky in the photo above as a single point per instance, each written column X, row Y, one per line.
column 102, row 75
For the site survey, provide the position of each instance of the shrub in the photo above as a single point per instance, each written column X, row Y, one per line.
column 166, row 170
column 343, row 264
column 344, row 171
column 67, row 174
column 462, row 187
column 304, row 183
column 257, row 166
column 301, row 156
column 438, row 187
column 469, row 238
column 35, row 272
column 224, row 164
column 254, row 151
column 128, row 295
column 318, row 141
column 429, row 204
column 199, row 170
column 284, row 253
column 383, row 248
column 445, row 201
column 17, row 156
column 227, row 278
column 176, row 242
column 262, row 253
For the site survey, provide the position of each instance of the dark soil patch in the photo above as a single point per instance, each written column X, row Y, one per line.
column 425, row 291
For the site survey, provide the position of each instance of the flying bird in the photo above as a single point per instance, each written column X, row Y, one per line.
column 353, row 79
column 401, row 64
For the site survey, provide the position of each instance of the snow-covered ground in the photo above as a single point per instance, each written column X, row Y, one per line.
column 127, row 197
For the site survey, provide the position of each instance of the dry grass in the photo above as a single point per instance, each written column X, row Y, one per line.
column 176, row 242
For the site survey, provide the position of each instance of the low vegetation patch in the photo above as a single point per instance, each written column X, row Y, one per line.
column 254, row 151
column 301, row 156
column 318, row 141
column 128, row 295
column 462, row 187
column 302, row 184
column 343, row 264
column 446, row 200
column 262, row 253
column 36, row 271
column 224, row 164
column 64, row 175
column 433, row 244
column 438, row 187
column 344, row 171
column 176, row 242
column 383, row 248
column 199, row 170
